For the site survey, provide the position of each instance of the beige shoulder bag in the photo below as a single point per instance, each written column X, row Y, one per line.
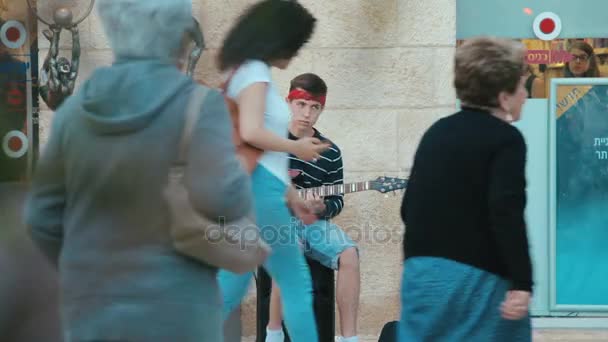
column 234, row 246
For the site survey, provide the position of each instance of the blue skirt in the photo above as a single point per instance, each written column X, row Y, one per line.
column 447, row 301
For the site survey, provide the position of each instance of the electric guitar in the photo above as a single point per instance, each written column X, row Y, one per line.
column 381, row 184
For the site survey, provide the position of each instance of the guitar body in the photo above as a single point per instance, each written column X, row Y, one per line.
column 249, row 154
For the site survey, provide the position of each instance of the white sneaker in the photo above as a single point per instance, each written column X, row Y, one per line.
column 342, row 339
column 275, row 335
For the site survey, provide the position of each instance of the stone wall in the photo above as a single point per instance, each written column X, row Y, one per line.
column 388, row 67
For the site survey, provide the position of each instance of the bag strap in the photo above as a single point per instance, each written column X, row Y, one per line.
column 190, row 119
column 224, row 86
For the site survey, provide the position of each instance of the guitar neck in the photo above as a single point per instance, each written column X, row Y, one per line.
column 338, row 189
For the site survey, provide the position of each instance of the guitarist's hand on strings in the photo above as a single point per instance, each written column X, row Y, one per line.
column 315, row 202
column 308, row 148
column 300, row 207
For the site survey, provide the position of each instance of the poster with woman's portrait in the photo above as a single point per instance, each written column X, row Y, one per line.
column 562, row 58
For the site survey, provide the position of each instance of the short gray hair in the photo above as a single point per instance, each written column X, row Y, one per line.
column 145, row 28
column 486, row 66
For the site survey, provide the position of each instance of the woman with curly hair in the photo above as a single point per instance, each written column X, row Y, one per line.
column 269, row 34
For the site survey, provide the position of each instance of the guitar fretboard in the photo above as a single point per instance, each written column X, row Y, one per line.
column 338, row 189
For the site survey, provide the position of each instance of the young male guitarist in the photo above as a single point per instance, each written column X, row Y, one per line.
column 324, row 241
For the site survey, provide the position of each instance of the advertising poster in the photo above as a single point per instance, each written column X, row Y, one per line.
column 582, row 194
column 18, row 90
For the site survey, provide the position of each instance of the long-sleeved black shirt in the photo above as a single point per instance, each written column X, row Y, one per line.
column 327, row 170
column 466, row 196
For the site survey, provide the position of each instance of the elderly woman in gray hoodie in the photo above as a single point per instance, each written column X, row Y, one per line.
column 96, row 206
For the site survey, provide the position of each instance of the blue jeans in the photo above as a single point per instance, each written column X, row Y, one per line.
column 286, row 265
column 324, row 242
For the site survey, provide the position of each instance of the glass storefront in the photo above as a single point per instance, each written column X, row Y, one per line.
column 565, row 124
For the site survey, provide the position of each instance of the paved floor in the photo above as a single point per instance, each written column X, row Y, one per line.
column 572, row 335
column 540, row 335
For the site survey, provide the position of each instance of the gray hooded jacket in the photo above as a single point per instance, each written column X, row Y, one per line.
column 96, row 206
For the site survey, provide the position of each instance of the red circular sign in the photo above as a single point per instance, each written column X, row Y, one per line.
column 15, row 144
column 15, row 97
column 547, row 25
column 13, row 34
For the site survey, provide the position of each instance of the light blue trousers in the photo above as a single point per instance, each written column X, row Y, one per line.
column 286, row 265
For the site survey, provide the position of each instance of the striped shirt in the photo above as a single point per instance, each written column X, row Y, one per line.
column 327, row 170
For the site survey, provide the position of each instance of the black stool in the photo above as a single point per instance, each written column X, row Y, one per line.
column 323, row 299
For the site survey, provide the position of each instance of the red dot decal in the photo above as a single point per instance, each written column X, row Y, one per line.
column 15, row 144
column 15, row 97
column 547, row 25
column 13, row 34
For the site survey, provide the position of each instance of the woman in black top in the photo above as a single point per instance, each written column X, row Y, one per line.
column 535, row 85
column 467, row 272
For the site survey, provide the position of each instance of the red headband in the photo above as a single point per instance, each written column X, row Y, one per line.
column 301, row 94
